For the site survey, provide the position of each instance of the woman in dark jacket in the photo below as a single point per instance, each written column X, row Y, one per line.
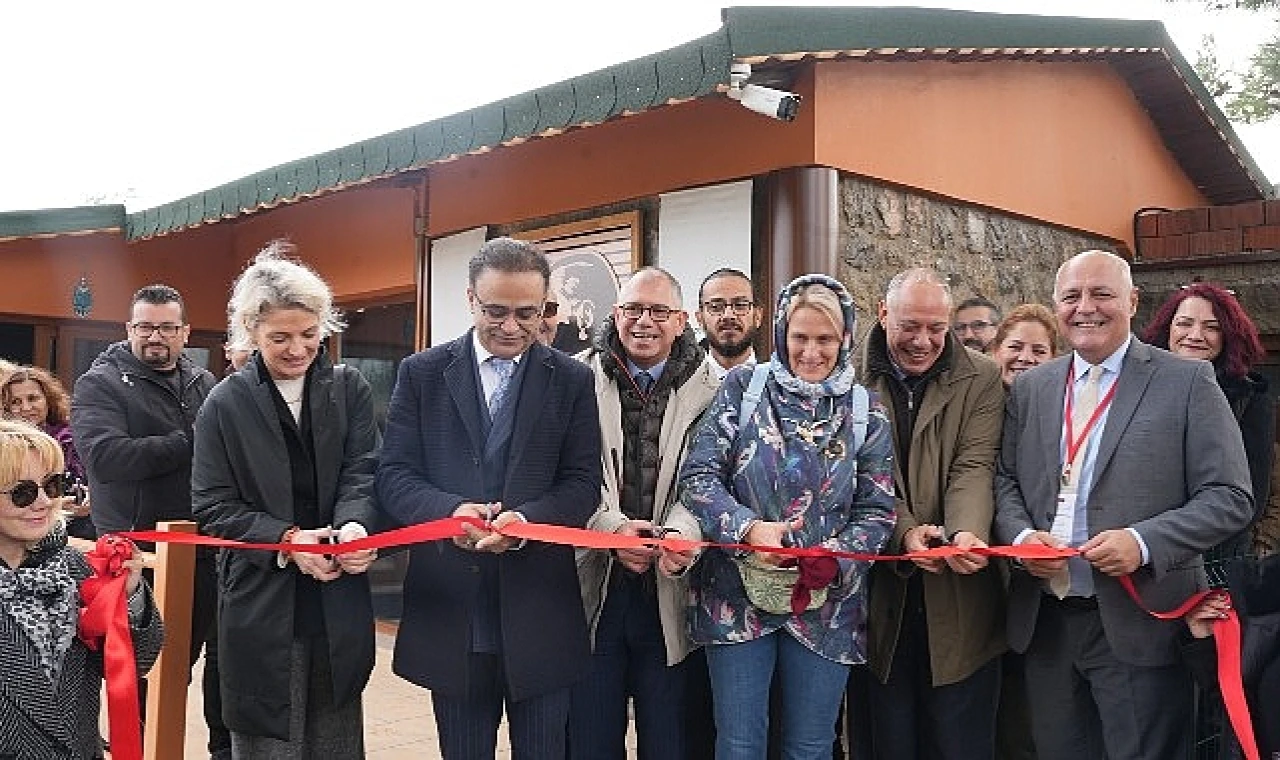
column 1205, row 321
column 284, row 453
column 52, row 682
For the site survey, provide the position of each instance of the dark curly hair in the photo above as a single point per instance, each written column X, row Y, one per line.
column 55, row 397
column 1241, row 346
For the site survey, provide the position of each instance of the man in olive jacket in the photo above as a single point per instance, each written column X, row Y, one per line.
column 935, row 627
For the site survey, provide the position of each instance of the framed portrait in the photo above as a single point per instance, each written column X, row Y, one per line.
column 590, row 262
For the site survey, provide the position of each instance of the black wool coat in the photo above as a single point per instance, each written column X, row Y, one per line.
column 241, row 489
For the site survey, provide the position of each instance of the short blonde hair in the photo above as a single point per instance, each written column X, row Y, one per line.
column 17, row 439
column 823, row 299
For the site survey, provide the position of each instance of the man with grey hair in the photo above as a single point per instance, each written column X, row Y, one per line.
column 1133, row 456
column 497, row 428
column 652, row 385
column 935, row 627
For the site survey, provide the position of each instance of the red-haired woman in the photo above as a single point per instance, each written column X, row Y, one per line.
column 1205, row 321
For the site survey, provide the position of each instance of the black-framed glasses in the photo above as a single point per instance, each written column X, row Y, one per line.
column 145, row 329
column 498, row 314
column 550, row 309
column 977, row 325
column 24, row 492
column 657, row 312
column 716, row 306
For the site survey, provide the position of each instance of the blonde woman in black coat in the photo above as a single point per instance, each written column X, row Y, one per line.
column 284, row 453
column 49, row 680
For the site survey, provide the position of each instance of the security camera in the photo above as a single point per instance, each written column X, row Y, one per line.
column 776, row 104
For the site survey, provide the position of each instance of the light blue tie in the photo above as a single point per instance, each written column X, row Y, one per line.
column 503, row 368
column 644, row 381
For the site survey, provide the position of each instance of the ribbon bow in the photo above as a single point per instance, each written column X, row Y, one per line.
column 40, row 581
column 104, row 624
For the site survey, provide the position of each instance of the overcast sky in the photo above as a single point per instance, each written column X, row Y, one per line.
column 145, row 102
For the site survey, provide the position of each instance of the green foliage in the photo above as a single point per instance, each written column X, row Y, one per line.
column 1253, row 96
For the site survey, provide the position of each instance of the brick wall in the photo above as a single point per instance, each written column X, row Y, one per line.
column 1212, row 231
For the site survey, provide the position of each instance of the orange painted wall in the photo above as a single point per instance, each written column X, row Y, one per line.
column 360, row 240
column 671, row 148
column 1065, row 143
column 39, row 275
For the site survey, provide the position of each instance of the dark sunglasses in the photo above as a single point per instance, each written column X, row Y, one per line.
column 24, row 492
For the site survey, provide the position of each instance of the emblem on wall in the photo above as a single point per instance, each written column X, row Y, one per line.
column 82, row 298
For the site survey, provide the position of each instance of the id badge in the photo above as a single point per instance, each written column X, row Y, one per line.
column 1064, row 520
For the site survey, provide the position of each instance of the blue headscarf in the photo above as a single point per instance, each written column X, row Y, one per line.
column 841, row 378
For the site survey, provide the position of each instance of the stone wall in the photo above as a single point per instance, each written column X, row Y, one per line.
column 884, row 230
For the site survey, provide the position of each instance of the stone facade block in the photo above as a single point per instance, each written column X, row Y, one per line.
column 884, row 230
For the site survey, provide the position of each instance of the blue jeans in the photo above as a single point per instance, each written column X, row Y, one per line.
column 811, row 685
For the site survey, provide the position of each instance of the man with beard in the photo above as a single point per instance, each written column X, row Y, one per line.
column 976, row 322
column 730, row 317
column 652, row 385
column 131, row 414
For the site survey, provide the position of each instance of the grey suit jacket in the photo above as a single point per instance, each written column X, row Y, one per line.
column 1170, row 464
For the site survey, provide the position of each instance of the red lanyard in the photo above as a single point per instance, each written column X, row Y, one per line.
column 1073, row 443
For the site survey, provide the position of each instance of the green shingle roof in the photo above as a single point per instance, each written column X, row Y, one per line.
column 61, row 221
column 1192, row 126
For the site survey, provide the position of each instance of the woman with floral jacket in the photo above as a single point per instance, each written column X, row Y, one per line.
column 796, row 471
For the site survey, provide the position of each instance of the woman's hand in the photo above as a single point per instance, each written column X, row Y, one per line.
column 319, row 566
column 134, row 565
column 1211, row 609
column 767, row 533
column 358, row 561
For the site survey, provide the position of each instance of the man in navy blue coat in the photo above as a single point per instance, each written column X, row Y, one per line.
column 496, row 426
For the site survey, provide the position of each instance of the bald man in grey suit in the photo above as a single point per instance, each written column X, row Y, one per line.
column 1159, row 477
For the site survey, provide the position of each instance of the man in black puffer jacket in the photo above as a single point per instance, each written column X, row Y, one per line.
column 131, row 415
column 652, row 385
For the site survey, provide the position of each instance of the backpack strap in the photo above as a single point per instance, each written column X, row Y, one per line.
column 861, row 414
column 755, row 390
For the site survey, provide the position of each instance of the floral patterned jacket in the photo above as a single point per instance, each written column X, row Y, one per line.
column 766, row 468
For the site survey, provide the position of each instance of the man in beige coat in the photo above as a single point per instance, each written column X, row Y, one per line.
column 652, row 385
column 935, row 627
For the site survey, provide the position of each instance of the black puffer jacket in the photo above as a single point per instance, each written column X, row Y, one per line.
column 642, row 415
column 1255, row 410
column 133, row 432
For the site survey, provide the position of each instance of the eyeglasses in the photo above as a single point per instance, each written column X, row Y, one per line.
column 978, row 325
column 24, row 492
column 717, row 306
column 145, row 329
column 498, row 314
column 550, row 309
column 658, row 312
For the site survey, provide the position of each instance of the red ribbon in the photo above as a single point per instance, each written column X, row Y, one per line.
column 104, row 625
column 1226, row 632
column 1228, row 643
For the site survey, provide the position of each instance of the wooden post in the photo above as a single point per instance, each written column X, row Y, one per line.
column 166, row 725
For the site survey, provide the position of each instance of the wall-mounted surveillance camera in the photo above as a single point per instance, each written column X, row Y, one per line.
column 776, row 104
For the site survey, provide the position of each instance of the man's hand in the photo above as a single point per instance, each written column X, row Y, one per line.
column 471, row 534
column 319, row 566
column 917, row 540
column 636, row 560
column 355, row 562
column 1044, row 568
column 1114, row 552
column 672, row 563
column 967, row 563
column 495, row 542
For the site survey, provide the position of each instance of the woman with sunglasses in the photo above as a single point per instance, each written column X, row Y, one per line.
column 1205, row 321
column 284, row 454
column 50, row 703
column 34, row 395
